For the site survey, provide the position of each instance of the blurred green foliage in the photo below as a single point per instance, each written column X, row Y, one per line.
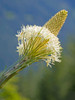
column 45, row 83
column 10, row 91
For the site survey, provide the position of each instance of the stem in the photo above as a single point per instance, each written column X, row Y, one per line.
column 12, row 72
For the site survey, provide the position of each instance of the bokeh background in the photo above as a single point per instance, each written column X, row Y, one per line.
column 37, row 82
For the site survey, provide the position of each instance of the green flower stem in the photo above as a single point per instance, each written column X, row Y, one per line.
column 15, row 69
column 12, row 72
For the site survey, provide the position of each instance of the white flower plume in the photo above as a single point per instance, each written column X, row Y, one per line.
column 36, row 42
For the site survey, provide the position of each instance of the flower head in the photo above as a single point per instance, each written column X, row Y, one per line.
column 36, row 42
column 39, row 43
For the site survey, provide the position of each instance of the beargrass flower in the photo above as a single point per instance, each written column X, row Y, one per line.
column 37, row 43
